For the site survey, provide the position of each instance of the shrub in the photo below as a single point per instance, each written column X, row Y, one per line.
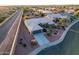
column 2, row 19
column 41, row 24
column 44, row 30
column 44, row 25
column 20, row 42
column 33, row 42
column 24, row 45
column 76, row 13
column 49, row 33
column 42, row 15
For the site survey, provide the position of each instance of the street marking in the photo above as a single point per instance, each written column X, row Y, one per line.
column 5, row 41
column 14, row 42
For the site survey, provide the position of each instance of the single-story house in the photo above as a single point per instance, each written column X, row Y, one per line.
column 70, row 11
column 45, row 11
column 33, row 24
column 53, row 16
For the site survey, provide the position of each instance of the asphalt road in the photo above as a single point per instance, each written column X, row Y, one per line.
column 69, row 46
column 7, row 25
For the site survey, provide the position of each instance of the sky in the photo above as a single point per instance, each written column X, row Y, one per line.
column 38, row 2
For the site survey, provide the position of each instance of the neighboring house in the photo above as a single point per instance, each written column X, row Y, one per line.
column 70, row 11
column 45, row 11
column 53, row 16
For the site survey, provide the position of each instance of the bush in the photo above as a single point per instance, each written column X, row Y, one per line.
column 44, row 25
column 42, row 15
column 44, row 30
column 57, row 19
column 2, row 19
column 53, row 26
column 24, row 45
column 33, row 42
column 49, row 33
column 41, row 24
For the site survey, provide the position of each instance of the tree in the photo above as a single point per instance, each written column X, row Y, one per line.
column 42, row 14
column 76, row 13
column 25, row 8
column 62, row 20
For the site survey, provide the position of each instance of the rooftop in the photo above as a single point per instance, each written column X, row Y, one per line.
column 56, row 16
column 32, row 24
column 45, row 11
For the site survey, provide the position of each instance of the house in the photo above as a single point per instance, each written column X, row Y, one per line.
column 33, row 24
column 53, row 16
column 44, row 11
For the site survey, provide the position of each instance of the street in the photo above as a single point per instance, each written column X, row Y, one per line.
column 7, row 25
